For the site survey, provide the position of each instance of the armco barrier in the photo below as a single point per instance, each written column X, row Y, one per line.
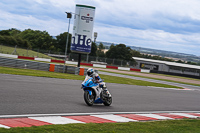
column 112, row 67
column 97, row 65
column 133, row 69
column 145, row 71
column 43, row 59
column 18, row 63
column 124, row 68
column 74, row 63
column 27, row 58
column 58, row 61
column 8, row 55
column 86, row 64
column 25, row 64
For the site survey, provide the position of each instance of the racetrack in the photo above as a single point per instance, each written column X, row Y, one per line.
column 39, row 95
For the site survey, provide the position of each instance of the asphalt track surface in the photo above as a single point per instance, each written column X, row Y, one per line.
column 38, row 95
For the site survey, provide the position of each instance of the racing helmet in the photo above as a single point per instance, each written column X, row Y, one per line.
column 90, row 71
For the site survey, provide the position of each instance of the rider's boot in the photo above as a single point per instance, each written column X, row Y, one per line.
column 106, row 91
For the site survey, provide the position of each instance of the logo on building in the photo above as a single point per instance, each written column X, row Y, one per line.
column 87, row 18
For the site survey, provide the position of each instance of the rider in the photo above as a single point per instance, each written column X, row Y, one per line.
column 95, row 76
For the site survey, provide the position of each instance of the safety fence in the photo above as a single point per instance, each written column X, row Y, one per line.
column 95, row 64
column 25, row 64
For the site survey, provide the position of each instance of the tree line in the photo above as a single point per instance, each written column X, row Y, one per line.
column 36, row 39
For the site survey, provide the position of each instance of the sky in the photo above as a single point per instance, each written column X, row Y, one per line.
column 171, row 25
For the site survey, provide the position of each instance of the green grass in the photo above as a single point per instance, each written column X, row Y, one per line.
column 108, row 79
column 22, row 52
column 170, row 126
column 38, row 73
column 156, row 78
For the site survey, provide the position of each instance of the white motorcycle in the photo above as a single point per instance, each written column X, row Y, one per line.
column 94, row 92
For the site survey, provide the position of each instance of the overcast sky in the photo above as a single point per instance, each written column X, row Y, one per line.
column 172, row 25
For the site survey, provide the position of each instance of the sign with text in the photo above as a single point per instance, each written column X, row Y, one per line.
column 149, row 66
column 83, row 29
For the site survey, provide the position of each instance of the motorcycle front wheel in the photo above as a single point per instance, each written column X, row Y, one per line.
column 108, row 101
column 89, row 99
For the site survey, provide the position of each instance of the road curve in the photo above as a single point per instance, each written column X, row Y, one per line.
column 39, row 95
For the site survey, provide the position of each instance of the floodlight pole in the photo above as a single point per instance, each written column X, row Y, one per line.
column 95, row 36
column 69, row 15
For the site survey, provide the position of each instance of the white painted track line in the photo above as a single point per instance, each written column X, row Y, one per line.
column 3, row 126
column 114, row 118
column 56, row 120
column 186, row 115
column 156, row 116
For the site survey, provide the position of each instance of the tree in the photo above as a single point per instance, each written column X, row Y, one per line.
column 100, row 52
column 14, row 40
column 179, row 61
column 93, row 49
column 135, row 53
column 37, row 39
column 10, row 32
column 60, row 42
column 119, row 52
column 5, row 33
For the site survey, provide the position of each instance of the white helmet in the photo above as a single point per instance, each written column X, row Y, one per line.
column 90, row 71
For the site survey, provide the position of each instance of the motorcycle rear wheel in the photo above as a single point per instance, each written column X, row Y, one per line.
column 108, row 101
column 89, row 99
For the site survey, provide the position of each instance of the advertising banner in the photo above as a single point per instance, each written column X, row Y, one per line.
column 83, row 29
column 149, row 66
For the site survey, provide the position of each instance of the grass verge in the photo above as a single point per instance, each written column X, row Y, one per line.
column 170, row 126
column 108, row 79
column 23, row 52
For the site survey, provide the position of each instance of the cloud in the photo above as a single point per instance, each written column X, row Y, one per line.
column 21, row 22
column 172, row 16
column 167, row 24
column 150, row 38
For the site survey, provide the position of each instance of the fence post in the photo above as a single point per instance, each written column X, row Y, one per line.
column 76, row 70
column 87, row 57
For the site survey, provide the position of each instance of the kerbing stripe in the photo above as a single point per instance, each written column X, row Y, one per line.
column 171, row 116
column 195, row 114
column 3, row 126
column 56, row 120
column 114, row 118
column 90, row 119
column 155, row 116
column 184, row 114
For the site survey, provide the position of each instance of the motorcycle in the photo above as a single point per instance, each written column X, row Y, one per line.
column 94, row 92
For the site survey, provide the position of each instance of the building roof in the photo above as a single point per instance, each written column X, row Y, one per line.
column 168, row 63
